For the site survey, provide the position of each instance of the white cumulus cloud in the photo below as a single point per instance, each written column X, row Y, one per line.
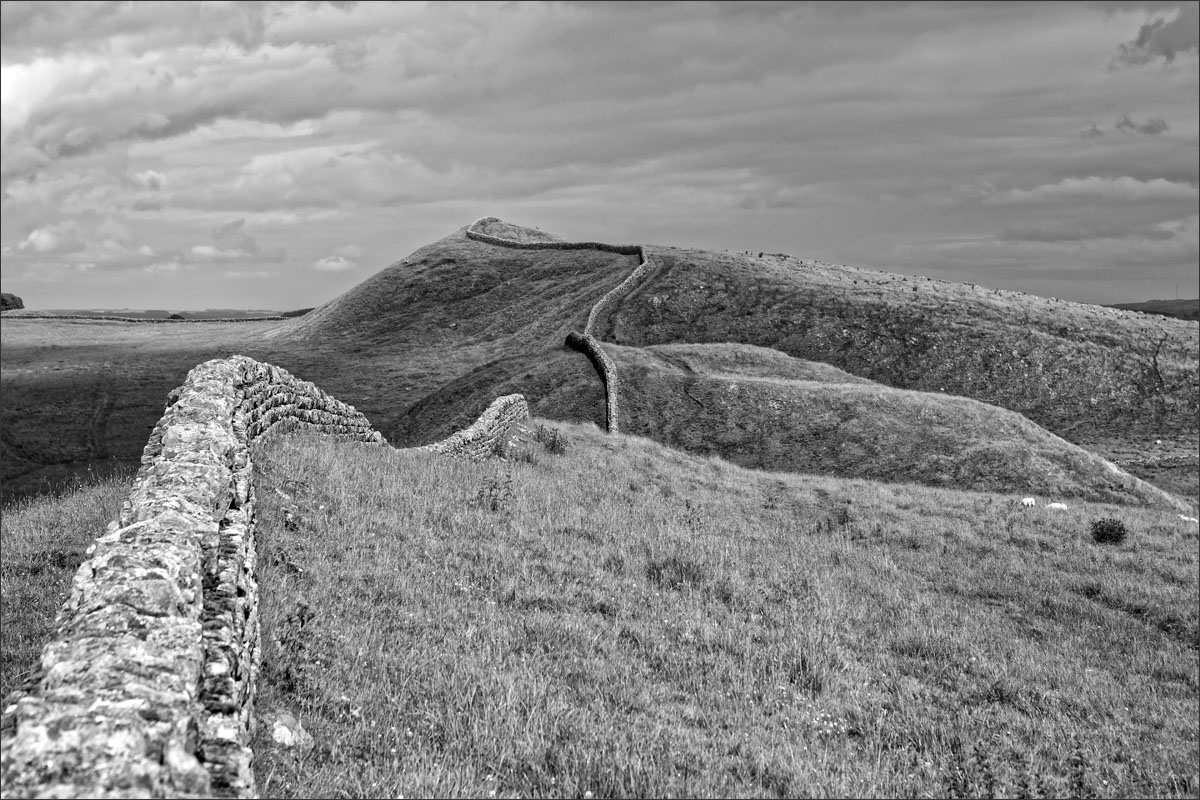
column 334, row 264
column 1122, row 189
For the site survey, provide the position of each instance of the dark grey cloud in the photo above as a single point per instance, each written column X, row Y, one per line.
column 1151, row 127
column 1162, row 39
column 1092, row 132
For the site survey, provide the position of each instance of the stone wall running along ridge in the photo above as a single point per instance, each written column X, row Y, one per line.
column 607, row 370
column 585, row 342
column 148, row 687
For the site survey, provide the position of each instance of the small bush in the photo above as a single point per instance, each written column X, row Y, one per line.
column 552, row 439
column 1109, row 531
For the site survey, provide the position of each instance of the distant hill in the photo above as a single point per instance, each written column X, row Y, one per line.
column 773, row 362
column 1181, row 309
column 1070, row 367
column 762, row 409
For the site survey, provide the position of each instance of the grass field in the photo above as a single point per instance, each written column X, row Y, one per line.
column 622, row 619
column 606, row 615
column 43, row 542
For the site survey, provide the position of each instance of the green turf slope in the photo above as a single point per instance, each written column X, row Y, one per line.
column 784, row 414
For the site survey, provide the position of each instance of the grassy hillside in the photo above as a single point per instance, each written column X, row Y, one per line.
column 762, row 409
column 621, row 619
column 424, row 345
column 44, row 541
column 465, row 292
column 1072, row 368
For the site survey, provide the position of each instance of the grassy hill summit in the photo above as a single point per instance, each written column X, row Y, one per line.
column 810, row 362
column 1082, row 372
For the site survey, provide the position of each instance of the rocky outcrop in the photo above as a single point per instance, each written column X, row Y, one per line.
column 148, row 687
column 8, row 302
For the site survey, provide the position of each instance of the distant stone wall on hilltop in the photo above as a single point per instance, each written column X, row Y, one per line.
column 148, row 687
column 586, row 342
column 623, row 249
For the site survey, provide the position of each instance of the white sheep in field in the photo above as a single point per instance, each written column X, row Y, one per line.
column 1057, row 506
column 1028, row 502
column 1189, row 519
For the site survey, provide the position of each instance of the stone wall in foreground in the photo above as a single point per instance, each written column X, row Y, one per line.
column 147, row 689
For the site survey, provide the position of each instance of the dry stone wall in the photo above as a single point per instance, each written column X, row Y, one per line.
column 586, row 342
column 497, row 428
column 475, row 231
column 607, row 370
column 147, row 689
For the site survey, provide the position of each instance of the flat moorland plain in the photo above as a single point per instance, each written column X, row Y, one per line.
column 605, row 615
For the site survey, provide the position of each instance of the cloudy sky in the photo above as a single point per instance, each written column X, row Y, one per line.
column 273, row 155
